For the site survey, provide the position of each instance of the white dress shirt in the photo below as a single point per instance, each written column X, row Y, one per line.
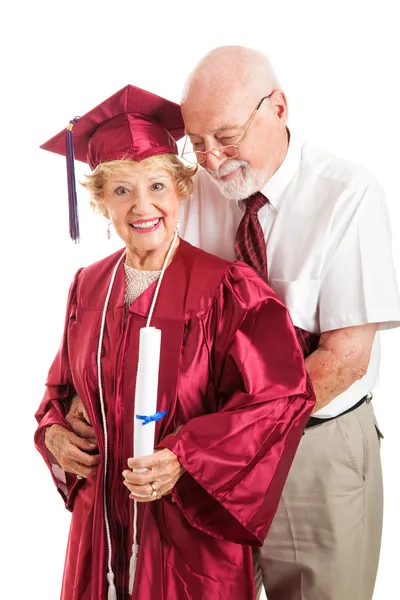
column 328, row 247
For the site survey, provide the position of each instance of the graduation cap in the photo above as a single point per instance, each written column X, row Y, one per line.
column 133, row 124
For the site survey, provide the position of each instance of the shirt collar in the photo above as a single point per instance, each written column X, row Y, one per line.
column 275, row 187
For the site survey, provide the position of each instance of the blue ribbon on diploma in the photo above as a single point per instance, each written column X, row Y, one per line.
column 156, row 417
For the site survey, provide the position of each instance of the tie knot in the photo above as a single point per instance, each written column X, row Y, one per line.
column 254, row 203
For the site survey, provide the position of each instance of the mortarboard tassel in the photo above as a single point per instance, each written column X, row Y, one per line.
column 72, row 199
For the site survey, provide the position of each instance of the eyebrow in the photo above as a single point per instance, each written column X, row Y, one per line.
column 126, row 182
column 159, row 176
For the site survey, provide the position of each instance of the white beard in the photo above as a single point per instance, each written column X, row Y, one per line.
column 246, row 184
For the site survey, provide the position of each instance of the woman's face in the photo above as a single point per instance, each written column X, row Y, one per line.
column 143, row 206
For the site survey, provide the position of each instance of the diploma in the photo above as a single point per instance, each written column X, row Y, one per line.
column 146, row 390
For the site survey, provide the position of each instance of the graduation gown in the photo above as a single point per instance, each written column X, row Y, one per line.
column 232, row 373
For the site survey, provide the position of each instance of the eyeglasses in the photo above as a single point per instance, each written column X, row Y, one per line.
column 228, row 151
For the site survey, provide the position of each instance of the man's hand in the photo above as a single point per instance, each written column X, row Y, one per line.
column 71, row 451
column 163, row 471
column 78, row 418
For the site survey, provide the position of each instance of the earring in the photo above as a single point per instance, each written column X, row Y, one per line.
column 109, row 230
column 177, row 226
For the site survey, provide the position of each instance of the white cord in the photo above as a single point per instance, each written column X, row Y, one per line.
column 112, row 592
column 163, row 268
column 135, row 546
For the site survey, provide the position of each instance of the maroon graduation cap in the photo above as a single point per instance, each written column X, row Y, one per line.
column 132, row 124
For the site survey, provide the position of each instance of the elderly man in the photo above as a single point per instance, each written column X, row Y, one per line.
column 319, row 233
column 317, row 229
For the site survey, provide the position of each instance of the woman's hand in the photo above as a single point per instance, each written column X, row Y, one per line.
column 163, row 471
column 71, row 451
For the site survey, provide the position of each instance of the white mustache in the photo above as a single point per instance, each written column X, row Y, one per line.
column 227, row 168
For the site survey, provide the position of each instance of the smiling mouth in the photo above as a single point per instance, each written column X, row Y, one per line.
column 231, row 175
column 146, row 225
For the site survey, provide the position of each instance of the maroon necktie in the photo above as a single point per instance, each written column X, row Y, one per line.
column 250, row 242
column 250, row 247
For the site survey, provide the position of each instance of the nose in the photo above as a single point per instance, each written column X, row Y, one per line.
column 141, row 202
column 212, row 162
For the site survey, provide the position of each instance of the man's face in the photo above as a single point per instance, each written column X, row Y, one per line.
column 223, row 123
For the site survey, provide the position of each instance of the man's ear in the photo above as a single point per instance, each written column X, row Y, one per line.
column 280, row 105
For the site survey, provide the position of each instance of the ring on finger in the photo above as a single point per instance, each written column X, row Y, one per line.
column 155, row 493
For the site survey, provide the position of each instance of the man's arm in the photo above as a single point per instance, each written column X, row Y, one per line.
column 342, row 357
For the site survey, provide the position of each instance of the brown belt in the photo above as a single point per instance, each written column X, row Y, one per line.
column 312, row 421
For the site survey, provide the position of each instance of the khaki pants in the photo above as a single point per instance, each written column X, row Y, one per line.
column 325, row 538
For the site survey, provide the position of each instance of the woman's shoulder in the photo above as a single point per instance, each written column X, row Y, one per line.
column 203, row 271
column 198, row 258
column 248, row 287
column 91, row 282
column 214, row 277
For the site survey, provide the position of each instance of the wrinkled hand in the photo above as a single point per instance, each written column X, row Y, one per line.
column 71, row 451
column 163, row 471
column 79, row 420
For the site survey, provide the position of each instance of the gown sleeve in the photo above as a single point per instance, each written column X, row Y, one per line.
column 52, row 409
column 237, row 459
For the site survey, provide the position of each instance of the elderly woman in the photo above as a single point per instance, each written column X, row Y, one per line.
column 232, row 383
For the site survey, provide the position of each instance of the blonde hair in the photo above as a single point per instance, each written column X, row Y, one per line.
column 182, row 175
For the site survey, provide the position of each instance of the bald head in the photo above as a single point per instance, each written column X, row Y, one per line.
column 232, row 100
column 227, row 71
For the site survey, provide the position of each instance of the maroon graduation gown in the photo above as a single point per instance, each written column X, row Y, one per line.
column 232, row 373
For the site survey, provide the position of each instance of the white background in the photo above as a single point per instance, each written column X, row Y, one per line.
column 338, row 63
